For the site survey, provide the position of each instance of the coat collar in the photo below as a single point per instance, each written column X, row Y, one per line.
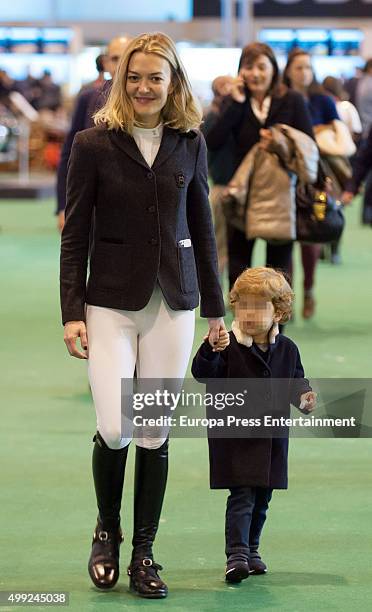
column 127, row 144
column 247, row 340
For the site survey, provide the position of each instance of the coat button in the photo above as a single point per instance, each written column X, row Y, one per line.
column 153, row 241
column 266, row 372
column 151, row 209
column 150, row 175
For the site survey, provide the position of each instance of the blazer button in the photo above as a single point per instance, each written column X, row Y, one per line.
column 266, row 372
column 150, row 175
column 151, row 209
column 153, row 241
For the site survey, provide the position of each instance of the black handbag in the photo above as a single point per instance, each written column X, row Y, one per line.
column 319, row 216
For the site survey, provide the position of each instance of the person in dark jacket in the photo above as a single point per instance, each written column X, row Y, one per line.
column 88, row 102
column 51, row 94
column 143, row 171
column 220, row 166
column 252, row 467
column 101, row 60
column 362, row 166
column 257, row 102
column 299, row 76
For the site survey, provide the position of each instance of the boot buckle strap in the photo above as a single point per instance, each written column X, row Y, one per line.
column 103, row 536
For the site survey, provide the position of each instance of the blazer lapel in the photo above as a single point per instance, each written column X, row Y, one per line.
column 126, row 143
column 276, row 103
column 251, row 117
column 168, row 143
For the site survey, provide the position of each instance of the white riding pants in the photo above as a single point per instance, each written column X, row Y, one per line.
column 156, row 340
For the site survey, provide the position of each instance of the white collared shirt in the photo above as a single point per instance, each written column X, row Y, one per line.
column 148, row 141
column 263, row 111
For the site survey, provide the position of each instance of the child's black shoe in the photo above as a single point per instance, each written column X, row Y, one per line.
column 256, row 565
column 237, row 569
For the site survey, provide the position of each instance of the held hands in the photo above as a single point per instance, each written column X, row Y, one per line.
column 308, row 402
column 218, row 336
column 73, row 331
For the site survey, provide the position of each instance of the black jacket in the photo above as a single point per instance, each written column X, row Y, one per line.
column 221, row 160
column 87, row 103
column 239, row 121
column 141, row 217
column 246, row 462
column 362, row 164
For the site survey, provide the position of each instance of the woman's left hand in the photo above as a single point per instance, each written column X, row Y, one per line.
column 266, row 138
column 215, row 327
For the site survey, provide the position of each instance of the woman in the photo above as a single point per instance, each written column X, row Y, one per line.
column 346, row 110
column 257, row 102
column 350, row 117
column 299, row 76
column 362, row 165
column 141, row 173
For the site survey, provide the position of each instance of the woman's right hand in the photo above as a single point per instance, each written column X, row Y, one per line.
column 237, row 90
column 73, row 331
column 61, row 220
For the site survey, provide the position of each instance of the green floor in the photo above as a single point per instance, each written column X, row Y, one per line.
column 318, row 539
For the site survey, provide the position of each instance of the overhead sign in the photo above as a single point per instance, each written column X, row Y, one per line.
column 293, row 8
column 313, row 8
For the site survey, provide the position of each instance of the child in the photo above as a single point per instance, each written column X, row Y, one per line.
column 252, row 467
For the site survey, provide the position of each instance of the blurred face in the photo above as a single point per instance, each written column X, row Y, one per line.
column 258, row 75
column 222, row 85
column 114, row 52
column 300, row 72
column 255, row 315
column 148, row 86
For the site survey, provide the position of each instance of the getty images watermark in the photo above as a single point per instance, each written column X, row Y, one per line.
column 244, row 408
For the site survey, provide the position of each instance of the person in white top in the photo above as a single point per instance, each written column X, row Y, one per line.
column 350, row 116
column 346, row 110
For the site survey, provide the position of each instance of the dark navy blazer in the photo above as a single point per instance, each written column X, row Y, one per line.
column 150, row 225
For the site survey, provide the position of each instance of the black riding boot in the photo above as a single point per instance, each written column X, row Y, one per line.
column 150, row 481
column 108, row 473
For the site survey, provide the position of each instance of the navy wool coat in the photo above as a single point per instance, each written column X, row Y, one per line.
column 151, row 225
column 256, row 462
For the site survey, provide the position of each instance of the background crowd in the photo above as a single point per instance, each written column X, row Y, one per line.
column 243, row 110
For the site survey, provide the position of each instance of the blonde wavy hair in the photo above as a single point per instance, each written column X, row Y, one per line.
column 267, row 283
column 181, row 112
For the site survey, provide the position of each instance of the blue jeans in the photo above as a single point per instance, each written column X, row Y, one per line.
column 246, row 510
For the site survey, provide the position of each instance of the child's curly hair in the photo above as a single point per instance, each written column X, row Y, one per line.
column 267, row 283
